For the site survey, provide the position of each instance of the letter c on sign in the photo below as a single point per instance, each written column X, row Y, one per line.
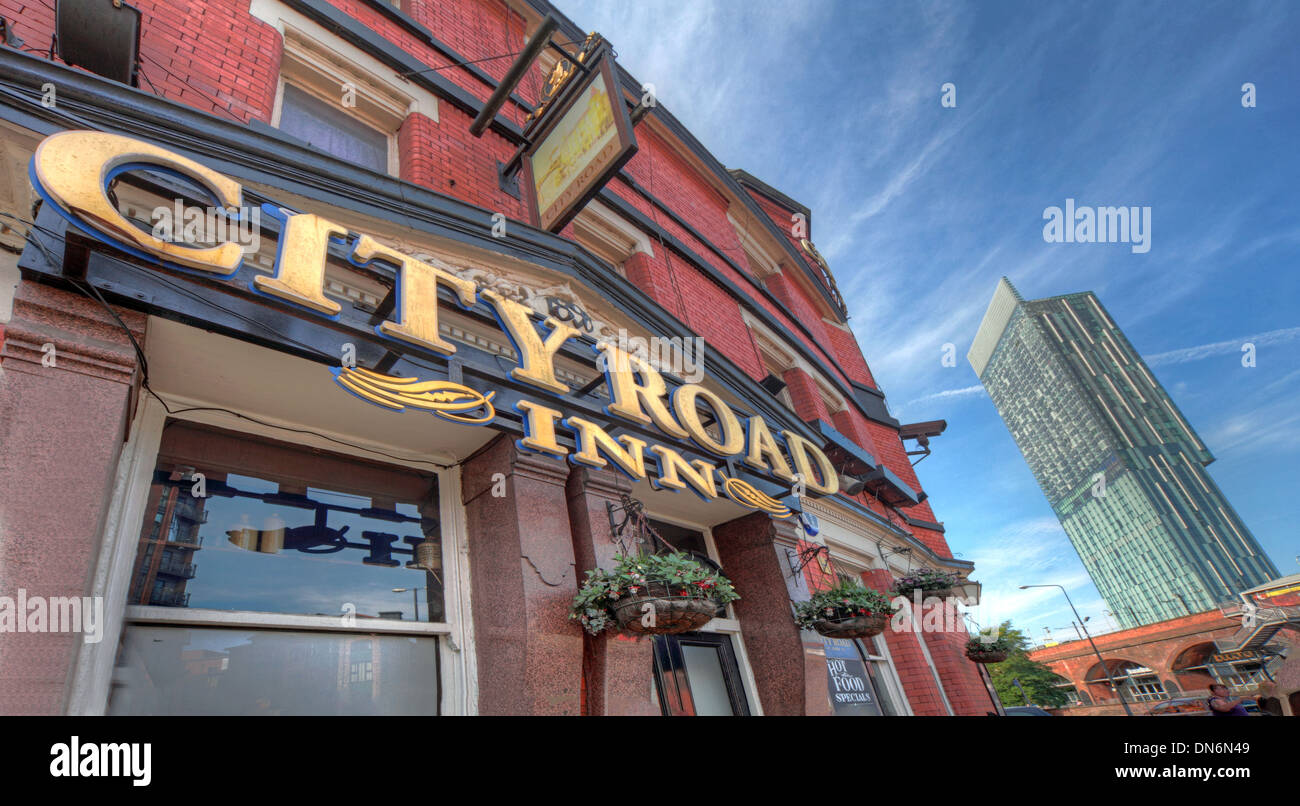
column 73, row 169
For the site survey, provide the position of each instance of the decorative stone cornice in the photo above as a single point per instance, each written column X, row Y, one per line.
column 604, row 483
column 538, row 468
column 826, row 510
column 86, row 339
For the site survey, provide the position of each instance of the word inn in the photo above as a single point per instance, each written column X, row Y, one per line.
column 71, row 169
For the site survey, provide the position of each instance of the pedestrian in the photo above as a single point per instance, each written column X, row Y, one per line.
column 1221, row 705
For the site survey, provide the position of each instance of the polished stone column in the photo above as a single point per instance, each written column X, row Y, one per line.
column 617, row 669
column 66, row 374
column 746, row 548
column 522, row 580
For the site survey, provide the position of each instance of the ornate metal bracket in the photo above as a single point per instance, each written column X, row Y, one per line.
column 633, row 512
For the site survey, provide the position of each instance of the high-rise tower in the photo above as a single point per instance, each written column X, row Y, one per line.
column 1121, row 467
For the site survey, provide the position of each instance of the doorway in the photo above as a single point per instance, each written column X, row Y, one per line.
column 696, row 674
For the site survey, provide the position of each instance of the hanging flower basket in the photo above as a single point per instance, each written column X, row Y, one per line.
column 651, row 594
column 988, row 647
column 848, row 610
column 664, row 610
column 931, row 583
column 846, row 626
column 986, row 657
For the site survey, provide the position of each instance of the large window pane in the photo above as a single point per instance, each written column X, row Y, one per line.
column 217, row 671
column 254, row 525
column 331, row 129
column 708, row 686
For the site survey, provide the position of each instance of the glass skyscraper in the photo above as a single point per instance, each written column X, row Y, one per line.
column 1121, row 467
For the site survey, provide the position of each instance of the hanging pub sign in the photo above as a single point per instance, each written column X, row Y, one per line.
column 72, row 171
column 581, row 143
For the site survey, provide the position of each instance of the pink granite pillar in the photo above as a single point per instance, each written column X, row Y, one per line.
column 746, row 549
column 617, row 669
column 61, row 432
column 522, row 581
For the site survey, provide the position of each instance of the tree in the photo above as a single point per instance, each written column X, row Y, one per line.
column 1038, row 680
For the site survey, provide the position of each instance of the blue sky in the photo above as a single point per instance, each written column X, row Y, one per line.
column 920, row 209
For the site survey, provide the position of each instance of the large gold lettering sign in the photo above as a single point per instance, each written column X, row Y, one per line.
column 73, row 170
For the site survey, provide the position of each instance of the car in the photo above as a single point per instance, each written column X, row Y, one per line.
column 1194, row 706
column 1025, row 710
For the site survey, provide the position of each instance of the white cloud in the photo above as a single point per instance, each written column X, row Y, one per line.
column 965, row 391
column 1230, row 347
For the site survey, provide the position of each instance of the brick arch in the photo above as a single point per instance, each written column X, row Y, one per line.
column 1094, row 679
column 1176, row 655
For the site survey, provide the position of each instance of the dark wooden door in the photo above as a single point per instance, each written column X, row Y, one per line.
column 697, row 674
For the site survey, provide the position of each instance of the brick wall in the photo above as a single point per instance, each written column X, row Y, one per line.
column 905, row 651
column 1157, row 647
column 215, row 57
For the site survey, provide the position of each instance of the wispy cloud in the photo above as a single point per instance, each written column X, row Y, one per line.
column 1035, row 551
column 1274, row 426
column 965, row 391
column 1229, row 347
column 920, row 208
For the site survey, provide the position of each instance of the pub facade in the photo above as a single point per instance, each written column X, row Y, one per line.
column 340, row 340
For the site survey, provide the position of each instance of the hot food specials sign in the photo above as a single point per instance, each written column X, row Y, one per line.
column 73, row 170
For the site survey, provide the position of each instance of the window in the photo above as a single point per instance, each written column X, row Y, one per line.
column 320, row 589
column 696, row 674
column 1143, row 685
column 857, row 672
column 331, row 129
column 341, row 106
column 1242, row 677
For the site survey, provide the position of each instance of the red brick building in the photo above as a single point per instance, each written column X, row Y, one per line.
column 1180, row 658
column 129, row 378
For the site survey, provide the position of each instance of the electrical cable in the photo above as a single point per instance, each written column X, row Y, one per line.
column 471, row 61
column 211, row 98
column 93, row 293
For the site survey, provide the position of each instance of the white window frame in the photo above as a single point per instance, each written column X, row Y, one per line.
column 730, row 625
column 310, row 48
column 389, row 133
column 856, row 565
column 1147, row 688
column 94, row 669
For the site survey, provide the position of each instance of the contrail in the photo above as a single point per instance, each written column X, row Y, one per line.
column 1188, row 354
column 965, row 391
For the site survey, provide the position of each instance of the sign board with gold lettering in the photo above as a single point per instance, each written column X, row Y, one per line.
column 682, row 438
column 584, row 144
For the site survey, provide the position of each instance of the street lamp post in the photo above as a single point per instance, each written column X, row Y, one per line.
column 415, row 598
column 1118, row 692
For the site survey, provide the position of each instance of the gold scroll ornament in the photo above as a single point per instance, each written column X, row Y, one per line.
column 450, row 401
column 745, row 494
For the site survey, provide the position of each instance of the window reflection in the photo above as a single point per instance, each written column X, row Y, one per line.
column 277, row 545
column 214, row 671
